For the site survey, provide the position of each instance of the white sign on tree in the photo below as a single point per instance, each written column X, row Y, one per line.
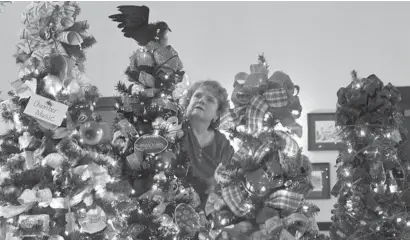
column 45, row 109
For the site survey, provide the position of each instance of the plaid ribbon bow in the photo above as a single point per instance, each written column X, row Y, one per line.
column 289, row 147
column 275, row 225
column 285, row 200
column 236, row 198
column 252, row 109
column 251, row 154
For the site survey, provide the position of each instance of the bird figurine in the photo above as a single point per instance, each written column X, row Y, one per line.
column 134, row 24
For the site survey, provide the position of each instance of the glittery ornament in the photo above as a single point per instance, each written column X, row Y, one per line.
column 144, row 58
column 187, row 219
column 52, row 84
column 91, row 133
column 11, row 192
column 222, row 218
column 165, row 161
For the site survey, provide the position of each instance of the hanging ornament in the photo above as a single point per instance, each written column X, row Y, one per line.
column 93, row 221
column 91, row 133
column 165, row 161
column 187, row 219
column 11, row 191
column 222, row 219
column 392, row 182
column 137, row 88
column 52, row 84
column 143, row 58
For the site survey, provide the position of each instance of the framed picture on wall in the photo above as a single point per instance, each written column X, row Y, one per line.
column 321, row 181
column 322, row 132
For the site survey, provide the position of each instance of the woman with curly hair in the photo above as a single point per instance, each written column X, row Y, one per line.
column 205, row 147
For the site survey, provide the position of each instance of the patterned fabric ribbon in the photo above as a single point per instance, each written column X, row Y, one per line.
column 251, row 154
column 47, row 38
column 275, row 225
column 285, row 200
column 236, row 198
column 276, row 100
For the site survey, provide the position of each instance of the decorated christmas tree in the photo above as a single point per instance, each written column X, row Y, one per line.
column 57, row 178
column 148, row 130
column 260, row 192
column 372, row 172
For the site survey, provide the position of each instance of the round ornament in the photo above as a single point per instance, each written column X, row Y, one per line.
column 52, row 84
column 91, row 133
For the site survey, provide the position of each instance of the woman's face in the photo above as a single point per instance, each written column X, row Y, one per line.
column 203, row 105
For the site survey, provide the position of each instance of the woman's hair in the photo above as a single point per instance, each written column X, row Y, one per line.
column 218, row 92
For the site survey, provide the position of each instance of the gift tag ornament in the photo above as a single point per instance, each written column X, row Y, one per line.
column 34, row 225
column 150, row 144
column 46, row 110
column 187, row 219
